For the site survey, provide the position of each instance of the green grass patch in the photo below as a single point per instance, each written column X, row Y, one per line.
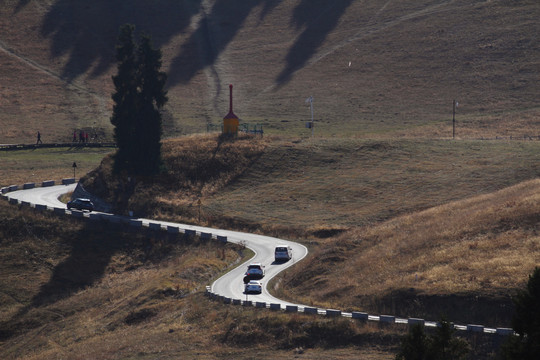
column 41, row 164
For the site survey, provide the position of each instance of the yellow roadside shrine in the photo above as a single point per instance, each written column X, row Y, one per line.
column 230, row 121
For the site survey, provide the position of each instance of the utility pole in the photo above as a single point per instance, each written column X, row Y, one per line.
column 310, row 101
column 199, row 205
column 455, row 103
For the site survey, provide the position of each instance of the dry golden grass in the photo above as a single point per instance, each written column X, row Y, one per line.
column 375, row 69
column 476, row 244
column 197, row 167
column 384, row 73
column 20, row 167
column 142, row 303
column 382, row 191
column 68, row 291
column 205, row 164
column 145, row 300
column 303, row 188
column 481, row 246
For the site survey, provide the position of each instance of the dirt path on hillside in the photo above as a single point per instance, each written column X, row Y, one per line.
column 201, row 25
column 373, row 27
column 48, row 72
column 211, row 71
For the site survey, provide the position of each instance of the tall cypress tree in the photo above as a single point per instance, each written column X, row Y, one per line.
column 152, row 98
column 138, row 99
column 125, row 98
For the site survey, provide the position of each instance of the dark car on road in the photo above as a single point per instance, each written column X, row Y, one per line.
column 80, row 204
column 255, row 271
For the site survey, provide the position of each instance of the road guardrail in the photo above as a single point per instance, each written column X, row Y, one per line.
column 383, row 319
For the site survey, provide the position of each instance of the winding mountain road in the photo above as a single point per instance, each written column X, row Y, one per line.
column 229, row 285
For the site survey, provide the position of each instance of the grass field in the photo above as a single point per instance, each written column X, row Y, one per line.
column 344, row 183
column 461, row 259
column 448, row 260
column 280, row 183
column 381, row 189
column 375, row 69
column 19, row 167
column 364, row 204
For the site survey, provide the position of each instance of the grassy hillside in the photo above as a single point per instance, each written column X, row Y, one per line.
column 73, row 289
column 398, row 217
column 68, row 289
column 462, row 259
column 439, row 221
column 375, row 69
column 19, row 167
column 89, row 291
column 281, row 184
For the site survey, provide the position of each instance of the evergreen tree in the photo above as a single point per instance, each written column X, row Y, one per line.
column 152, row 98
column 416, row 345
column 138, row 99
column 526, row 322
column 125, row 98
column 443, row 345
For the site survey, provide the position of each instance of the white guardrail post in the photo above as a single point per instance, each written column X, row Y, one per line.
column 47, row 183
column 333, row 313
column 415, row 321
column 387, row 319
column 206, row 236
column 29, row 186
column 291, row 308
column 155, row 226
column 40, row 207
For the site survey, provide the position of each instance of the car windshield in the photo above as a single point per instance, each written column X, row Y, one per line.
column 281, row 249
column 254, row 267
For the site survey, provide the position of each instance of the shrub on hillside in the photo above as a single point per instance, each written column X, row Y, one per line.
column 442, row 345
column 526, row 323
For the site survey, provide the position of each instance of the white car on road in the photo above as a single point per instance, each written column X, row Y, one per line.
column 253, row 287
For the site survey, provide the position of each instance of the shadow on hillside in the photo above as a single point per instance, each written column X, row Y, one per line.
column 85, row 256
column 318, row 18
column 21, row 5
column 91, row 250
column 216, row 30
column 87, row 31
